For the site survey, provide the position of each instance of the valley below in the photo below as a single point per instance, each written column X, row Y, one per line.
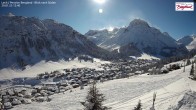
column 122, row 88
column 47, row 65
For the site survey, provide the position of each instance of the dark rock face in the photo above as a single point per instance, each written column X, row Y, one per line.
column 130, row 50
column 26, row 41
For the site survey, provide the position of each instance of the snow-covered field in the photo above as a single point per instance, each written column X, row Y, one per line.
column 123, row 94
column 145, row 57
column 41, row 67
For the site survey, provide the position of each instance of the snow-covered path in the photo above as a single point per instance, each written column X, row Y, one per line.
column 123, row 94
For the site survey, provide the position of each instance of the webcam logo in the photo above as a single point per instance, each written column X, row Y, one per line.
column 184, row 6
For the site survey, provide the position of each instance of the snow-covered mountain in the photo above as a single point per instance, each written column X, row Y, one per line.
column 25, row 40
column 189, row 42
column 99, row 36
column 142, row 37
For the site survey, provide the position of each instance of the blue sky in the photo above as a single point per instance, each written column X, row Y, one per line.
column 83, row 15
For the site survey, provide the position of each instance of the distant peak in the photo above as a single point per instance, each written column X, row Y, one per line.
column 139, row 22
column 190, row 36
column 193, row 35
column 104, row 30
column 10, row 14
column 166, row 33
column 115, row 29
column 50, row 21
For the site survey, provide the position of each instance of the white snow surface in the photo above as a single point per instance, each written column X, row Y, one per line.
column 41, row 67
column 145, row 57
column 123, row 94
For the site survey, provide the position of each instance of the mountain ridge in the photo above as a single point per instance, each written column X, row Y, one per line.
column 28, row 40
column 146, row 38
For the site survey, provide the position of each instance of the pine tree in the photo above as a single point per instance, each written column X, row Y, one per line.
column 139, row 106
column 192, row 70
column 94, row 99
column 2, row 103
column 188, row 62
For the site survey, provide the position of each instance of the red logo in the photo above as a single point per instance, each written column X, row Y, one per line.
column 184, row 6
